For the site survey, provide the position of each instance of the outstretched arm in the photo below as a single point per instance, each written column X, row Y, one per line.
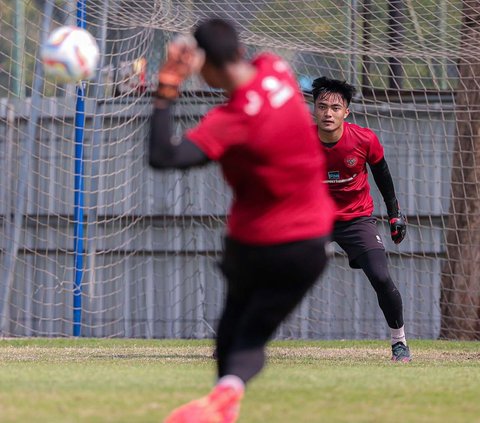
column 166, row 150
column 397, row 220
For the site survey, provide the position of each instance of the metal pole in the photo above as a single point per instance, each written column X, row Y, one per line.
column 78, row 210
column 396, row 37
column 367, row 35
column 97, row 147
column 353, row 77
column 15, row 230
column 19, row 50
column 443, row 16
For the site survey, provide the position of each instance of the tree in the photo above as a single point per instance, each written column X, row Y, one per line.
column 460, row 290
column 7, row 44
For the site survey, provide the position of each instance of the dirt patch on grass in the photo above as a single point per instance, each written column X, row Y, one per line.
column 204, row 353
column 368, row 354
column 73, row 354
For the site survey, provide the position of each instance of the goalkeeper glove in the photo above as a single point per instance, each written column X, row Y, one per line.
column 398, row 227
column 183, row 59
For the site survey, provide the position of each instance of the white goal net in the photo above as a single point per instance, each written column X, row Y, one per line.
column 94, row 243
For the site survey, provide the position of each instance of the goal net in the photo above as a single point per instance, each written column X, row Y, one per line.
column 95, row 243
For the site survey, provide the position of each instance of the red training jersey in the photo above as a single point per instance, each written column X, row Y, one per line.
column 347, row 176
column 269, row 154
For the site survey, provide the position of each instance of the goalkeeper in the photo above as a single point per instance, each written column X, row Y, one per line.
column 348, row 149
column 281, row 216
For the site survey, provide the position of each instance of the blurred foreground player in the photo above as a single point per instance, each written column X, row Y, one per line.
column 281, row 217
column 348, row 149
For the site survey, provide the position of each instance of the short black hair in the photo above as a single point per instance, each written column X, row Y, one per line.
column 324, row 85
column 219, row 39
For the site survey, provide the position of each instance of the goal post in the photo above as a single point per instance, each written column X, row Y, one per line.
column 152, row 240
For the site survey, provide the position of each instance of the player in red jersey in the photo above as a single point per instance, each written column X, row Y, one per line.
column 282, row 215
column 348, row 149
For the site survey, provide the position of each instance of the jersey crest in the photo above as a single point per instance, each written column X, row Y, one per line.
column 351, row 161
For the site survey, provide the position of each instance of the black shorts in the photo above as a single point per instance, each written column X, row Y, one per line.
column 357, row 236
column 264, row 284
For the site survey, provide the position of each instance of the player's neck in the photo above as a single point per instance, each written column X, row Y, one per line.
column 239, row 74
column 330, row 137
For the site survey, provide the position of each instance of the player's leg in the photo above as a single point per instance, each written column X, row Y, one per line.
column 374, row 264
column 363, row 244
column 264, row 286
column 282, row 276
column 239, row 273
column 222, row 404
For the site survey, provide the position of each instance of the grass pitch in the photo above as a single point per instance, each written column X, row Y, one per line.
column 97, row 380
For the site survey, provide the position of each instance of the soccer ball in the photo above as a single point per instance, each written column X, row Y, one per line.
column 70, row 54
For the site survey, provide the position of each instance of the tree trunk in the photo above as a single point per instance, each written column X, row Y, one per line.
column 460, row 289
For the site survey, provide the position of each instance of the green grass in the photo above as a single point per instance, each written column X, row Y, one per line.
column 91, row 380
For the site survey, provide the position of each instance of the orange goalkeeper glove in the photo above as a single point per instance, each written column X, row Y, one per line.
column 183, row 59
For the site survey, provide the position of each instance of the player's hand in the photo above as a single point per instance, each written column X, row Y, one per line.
column 183, row 59
column 398, row 227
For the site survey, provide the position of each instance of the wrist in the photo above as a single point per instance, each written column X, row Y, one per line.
column 167, row 91
column 168, row 84
column 393, row 209
column 161, row 103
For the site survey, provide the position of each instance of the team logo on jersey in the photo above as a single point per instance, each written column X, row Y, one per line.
column 334, row 178
column 351, row 161
column 333, row 175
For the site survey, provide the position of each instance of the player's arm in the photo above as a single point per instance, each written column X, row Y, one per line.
column 397, row 220
column 166, row 150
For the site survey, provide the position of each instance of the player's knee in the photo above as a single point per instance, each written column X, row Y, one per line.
column 383, row 283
